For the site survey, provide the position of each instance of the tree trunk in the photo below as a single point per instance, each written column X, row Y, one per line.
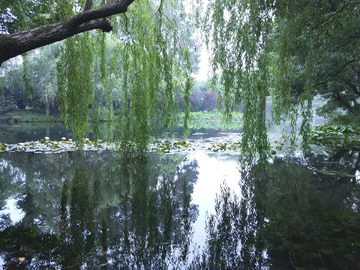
column 15, row 44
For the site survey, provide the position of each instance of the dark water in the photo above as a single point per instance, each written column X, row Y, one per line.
column 106, row 210
column 22, row 132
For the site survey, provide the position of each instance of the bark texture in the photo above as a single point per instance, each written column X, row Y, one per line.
column 18, row 43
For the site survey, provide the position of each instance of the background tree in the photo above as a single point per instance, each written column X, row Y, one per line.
column 317, row 46
column 201, row 98
column 39, row 89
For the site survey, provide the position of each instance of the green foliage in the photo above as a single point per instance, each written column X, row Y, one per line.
column 335, row 135
column 286, row 49
column 145, row 67
column 77, row 77
column 135, row 73
column 14, row 119
column 29, row 116
column 240, row 71
column 211, row 116
column 314, row 54
column 261, row 48
column 18, row 15
column 31, row 83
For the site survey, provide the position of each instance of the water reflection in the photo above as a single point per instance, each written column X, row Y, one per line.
column 100, row 210
column 293, row 214
column 112, row 211
column 23, row 132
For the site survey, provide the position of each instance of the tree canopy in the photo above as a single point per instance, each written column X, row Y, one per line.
column 288, row 51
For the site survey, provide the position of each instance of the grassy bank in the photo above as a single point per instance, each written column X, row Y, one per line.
column 212, row 120
column 212, row 116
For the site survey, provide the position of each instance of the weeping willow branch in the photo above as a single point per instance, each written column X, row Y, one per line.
column 25, row 11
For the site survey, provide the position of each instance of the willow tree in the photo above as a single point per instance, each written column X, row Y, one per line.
column 238, row 33
column 152, row 62
column 286, row 50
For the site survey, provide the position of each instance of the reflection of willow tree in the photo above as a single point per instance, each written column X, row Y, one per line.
column 153, row 217
column 290, row 216
column 77, row 225
column 37, row 179
column 130, row 211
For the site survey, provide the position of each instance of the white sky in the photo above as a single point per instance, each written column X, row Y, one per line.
column 203, row 65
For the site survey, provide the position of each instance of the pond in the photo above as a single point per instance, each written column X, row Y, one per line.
column 196, row 209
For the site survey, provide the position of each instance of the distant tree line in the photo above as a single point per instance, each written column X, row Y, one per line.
column 202, row 98
column 33, row 85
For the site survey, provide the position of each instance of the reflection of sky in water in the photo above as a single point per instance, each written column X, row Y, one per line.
column 11, row 209
column 213, row 170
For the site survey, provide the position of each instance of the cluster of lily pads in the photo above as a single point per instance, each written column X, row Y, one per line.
column 166, row 146
column 278, row 147
column 48, row 146
column 223, row 146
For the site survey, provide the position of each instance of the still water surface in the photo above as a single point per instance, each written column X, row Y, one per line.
column 192, row 210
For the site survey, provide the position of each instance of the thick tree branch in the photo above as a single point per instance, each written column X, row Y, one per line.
column 336, row 74
column 347, row 105
column 353, row 87
column 15, row 44
column 88, row 15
